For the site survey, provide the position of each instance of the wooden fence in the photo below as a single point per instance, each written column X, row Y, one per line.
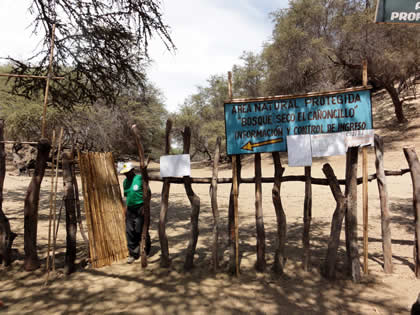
column 346, row 209
column 103, row 173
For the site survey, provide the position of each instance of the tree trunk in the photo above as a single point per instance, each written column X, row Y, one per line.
column 279, row 257
column 328, row 268
column 383, row 198
column 214, row 206
column 6, row 235
column 413, row 162
column 260, row 264
column 195, row 205
column 70, row 206
column 351, row 214
column 31, row 207
column 307, row 217
column 397, row 102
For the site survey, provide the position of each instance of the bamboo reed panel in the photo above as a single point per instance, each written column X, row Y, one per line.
column 104, row 209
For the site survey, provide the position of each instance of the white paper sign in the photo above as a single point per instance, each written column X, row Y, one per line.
column 175, row 165
column 359, row 138
column 299, row 150
column 328, row 144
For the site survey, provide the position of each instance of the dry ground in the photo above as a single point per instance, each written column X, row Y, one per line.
column 129, row 289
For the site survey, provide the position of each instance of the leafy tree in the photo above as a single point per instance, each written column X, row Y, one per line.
column 321, row 44
column 94, row 128
column 203, row 112
column 248, row 80
column 296, row 57
column 392, row 53
column 101, row 48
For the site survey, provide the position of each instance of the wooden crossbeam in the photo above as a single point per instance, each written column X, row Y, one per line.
column 28, row 76
column 48, row 77
column 22, row 142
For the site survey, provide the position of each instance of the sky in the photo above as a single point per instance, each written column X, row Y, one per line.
column 210, row 36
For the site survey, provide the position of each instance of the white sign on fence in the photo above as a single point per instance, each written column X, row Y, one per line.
column 299, row 150
column 175, row 165
column 360, row 138
column 328, row 144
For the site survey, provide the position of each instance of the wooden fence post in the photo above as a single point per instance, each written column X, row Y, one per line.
column 365, row 212
column 70, row 206
column 279, row 257
column 214, row 206
column 351, row 214
column 146, row 195
column 236, row 169
column 164, row 260
column 31, row 207
column 328, row 268
column 383, row 198
column 365, row 188
column 195, row 205
column 55, row 199
column 260, row 264
column 6, row 235
column 307, row 217
column 233, row 202
column 78, row 208
column 233, row 215
column 413, row 162
column 50, row 218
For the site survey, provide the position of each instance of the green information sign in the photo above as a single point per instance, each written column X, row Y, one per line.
column 398, row 11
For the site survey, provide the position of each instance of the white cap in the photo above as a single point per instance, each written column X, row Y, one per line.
column 126, row 168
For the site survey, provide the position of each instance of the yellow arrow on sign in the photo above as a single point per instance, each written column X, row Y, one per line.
column 250, row 146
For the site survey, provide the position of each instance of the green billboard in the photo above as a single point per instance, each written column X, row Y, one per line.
column 398, row 11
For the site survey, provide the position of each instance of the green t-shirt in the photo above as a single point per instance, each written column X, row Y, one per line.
column 133, row 190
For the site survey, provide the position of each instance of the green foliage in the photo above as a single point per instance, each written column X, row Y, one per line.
column 93, row 128
column 248, row 80
column 321, row 44
column 297, row 58
column 203, row 112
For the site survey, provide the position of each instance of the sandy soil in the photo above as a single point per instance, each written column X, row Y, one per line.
column 130, row 289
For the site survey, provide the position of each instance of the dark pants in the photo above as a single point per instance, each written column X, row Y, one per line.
column 134, row 223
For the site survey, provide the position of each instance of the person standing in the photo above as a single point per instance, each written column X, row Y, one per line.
column 134, row 214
